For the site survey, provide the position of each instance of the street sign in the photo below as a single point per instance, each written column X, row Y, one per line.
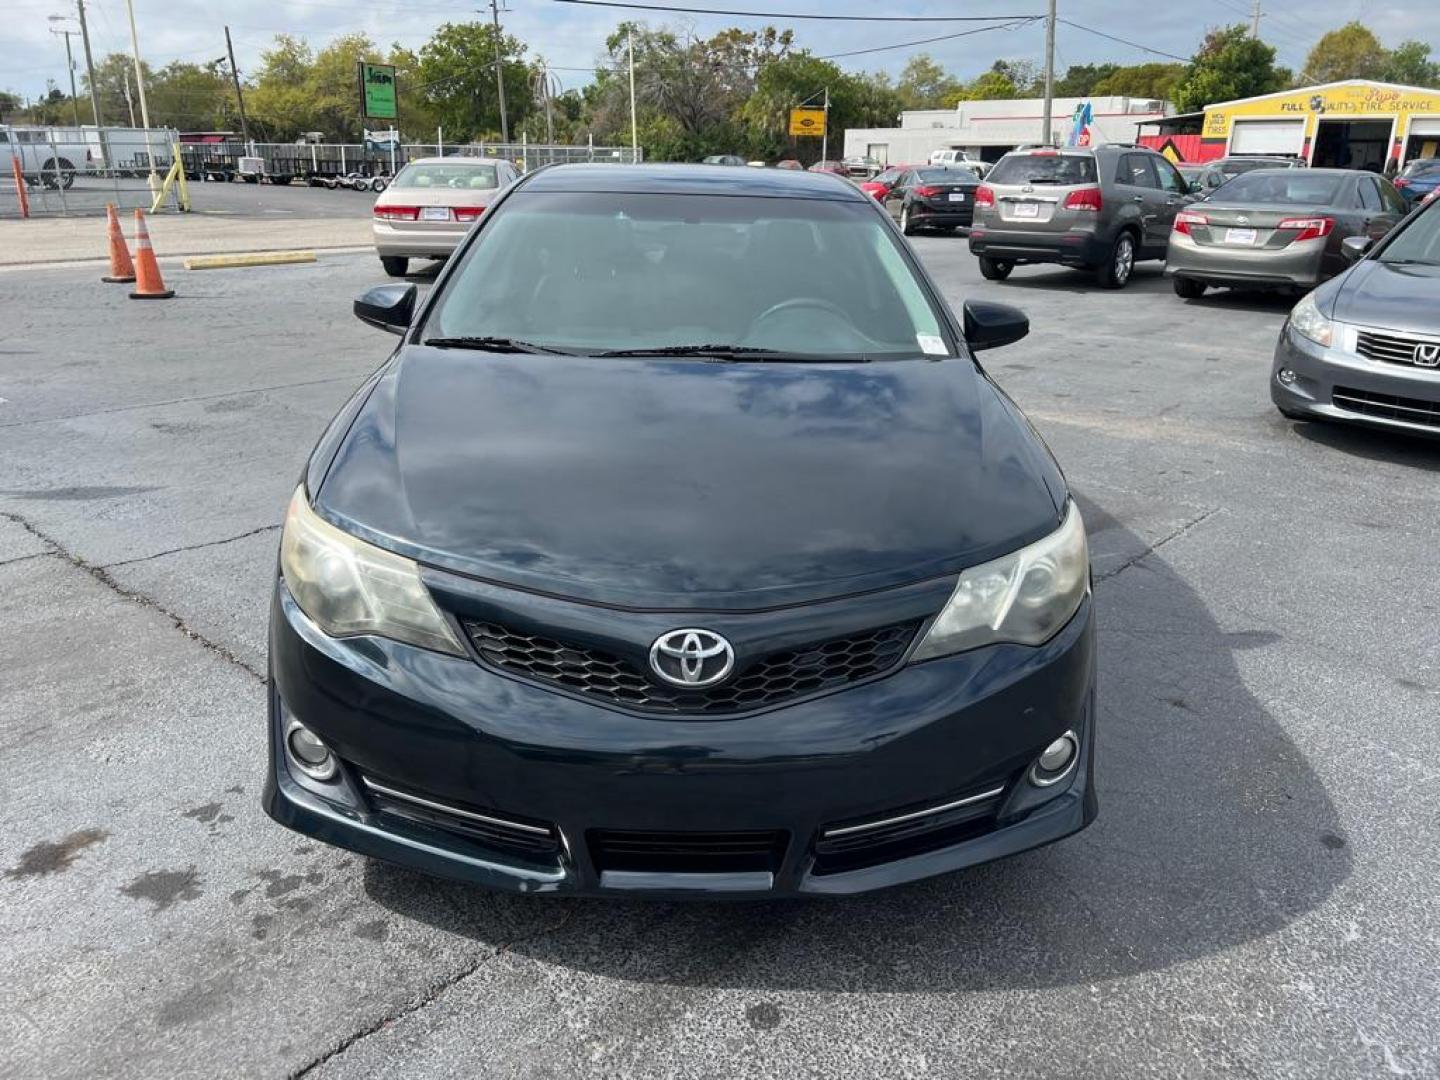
column 377, row 92
column 807, row 122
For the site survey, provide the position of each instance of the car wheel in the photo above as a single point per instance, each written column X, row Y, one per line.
column 1188, row 288
column 995, row 269
column 395, row 265
column 378, row 184
column 905, row 225
column 1115, row 271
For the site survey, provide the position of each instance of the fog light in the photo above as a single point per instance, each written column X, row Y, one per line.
column 1286, row 376
column 310, row 755
column 1055, row 760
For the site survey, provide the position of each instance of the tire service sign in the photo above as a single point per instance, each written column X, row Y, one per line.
column 377, row 92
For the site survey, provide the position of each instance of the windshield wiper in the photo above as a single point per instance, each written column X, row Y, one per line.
column 492, row 344
column 731, row 352
column 1408, row 262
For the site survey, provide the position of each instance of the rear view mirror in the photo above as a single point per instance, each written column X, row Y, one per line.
column 389, row 307
column 989, row 325
column 1355, row 247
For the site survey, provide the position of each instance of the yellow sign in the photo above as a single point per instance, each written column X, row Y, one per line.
column 807, row 122
column 1338, row 101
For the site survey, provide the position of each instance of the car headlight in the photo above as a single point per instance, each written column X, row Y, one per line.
column 1306, row 320
column 349, row 587
column 1023, row 597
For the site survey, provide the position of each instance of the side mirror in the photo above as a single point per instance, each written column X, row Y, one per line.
column 389, row 307
column 1355, row 247
column 988, row 325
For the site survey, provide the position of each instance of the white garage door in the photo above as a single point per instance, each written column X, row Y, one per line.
column 1425, row 127
column 1267, row 137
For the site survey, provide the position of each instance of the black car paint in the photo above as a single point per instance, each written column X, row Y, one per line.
column 933, row 445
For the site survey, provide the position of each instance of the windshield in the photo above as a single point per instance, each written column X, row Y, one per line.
column 1298, row 187
column 889, row 175
column 1419, row 242
column 446, row 175
column 1422, row 165
column 592, row 272
column 1236, row 166
column 1061, row 169
column 956, row 175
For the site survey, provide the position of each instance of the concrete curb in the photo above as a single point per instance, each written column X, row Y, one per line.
column 252, row 258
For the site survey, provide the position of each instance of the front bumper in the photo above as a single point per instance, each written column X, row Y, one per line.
column 1073, row 247
column 450, row 732
column 1300, row 264
column 1337, row 384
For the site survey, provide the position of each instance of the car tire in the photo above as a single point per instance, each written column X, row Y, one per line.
column 395, row 265
column 994, row 269
column 378, row 184
column 1188, row 288
column 906, row 225
column 1114, row 272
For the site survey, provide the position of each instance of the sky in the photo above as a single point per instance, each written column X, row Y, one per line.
column 572, row 36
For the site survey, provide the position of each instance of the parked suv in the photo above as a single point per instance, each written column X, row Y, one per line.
column 1100, row 209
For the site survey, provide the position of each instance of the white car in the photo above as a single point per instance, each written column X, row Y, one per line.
column 948, row 157
column 51, row 156
column 431, row 204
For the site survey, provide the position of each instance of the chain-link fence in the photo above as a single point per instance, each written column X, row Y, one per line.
column 69, row 170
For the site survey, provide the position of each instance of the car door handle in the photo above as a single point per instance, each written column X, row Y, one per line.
column 1137, row 198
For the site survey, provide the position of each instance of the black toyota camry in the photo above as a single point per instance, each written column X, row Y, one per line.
column 682, row 547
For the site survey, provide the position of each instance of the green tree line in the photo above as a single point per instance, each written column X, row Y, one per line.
column 727, row 93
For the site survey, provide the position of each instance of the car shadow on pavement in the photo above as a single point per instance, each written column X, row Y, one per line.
column 1223, row 300
column 1413, row 451
column 1213, row 831
column 1148, row 277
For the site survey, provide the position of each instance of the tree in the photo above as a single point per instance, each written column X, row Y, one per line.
column 856, row 101
column 1351, row 52
column 1140, row 81
column 1079, row 80
column 989, row 86
column 1409, row 63
column 457, row 80
column 924, row 84
column 1230, row 64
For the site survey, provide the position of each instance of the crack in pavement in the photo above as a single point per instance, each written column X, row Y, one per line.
column 191, row 547
column 180, row 401
column 428, row 996
column 1175, row 535
column 100, row 574
column 23, row 558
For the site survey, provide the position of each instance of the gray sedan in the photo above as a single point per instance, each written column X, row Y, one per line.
column 1278, row 228
column 1365, row 347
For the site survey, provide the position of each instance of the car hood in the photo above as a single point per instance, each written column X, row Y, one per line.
column 686, row 484
column 1389, row 297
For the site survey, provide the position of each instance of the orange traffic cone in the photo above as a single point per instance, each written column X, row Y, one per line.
column 121, row 268
column 150, row 286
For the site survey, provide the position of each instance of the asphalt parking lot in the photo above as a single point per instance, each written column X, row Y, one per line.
column 1256, row 899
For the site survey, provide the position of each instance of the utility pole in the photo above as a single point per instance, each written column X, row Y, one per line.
column 89, row 62
column 129, row 101
column 70, row 66
column 1255, row 20
column 1048, row 135
column 634, row 126
column 825, row 132
column 239, row 96
column 500, row 73
column 140, row 85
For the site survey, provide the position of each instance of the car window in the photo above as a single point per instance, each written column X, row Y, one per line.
column 447, row 175
column 1136, row 171
column 1044, row 168
column 592, row 271
column 888, row 176
column 1170, row 180
column 1369, row 193
column 947, row 175
column 1392, row 200
column 1418, row 242
column 1421, row 165
column 1288, row 186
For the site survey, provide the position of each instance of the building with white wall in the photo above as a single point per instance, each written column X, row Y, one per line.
column 987, row 129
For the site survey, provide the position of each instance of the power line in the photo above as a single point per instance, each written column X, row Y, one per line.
column 796, row 14
column 926, row 41
column 1123, row 41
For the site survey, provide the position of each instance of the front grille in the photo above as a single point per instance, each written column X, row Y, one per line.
column 527, row 838
column 688, row 852
column 770, row 680
column 903, row 833
column 1387, row 406
column 1392, row 348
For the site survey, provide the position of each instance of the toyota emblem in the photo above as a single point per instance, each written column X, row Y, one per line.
column 1427, row 355
column 692, row 658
